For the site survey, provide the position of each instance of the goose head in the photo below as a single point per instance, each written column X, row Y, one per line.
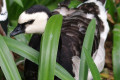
column 33, row 20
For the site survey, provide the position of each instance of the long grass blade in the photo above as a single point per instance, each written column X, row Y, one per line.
column 32, row 55
column 49, row 48
column 118, row 12
column 111, row 8
column 88, row 42
column 22, row 49
column 19, row 2
column 116, row 51
column 65, row 75
column 7, row 63
column 91, row 65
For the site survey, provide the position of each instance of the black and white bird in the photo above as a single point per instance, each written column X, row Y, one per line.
column 3, row 15
column 74, row 26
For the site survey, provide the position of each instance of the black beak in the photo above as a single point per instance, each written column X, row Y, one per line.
column 19, row 29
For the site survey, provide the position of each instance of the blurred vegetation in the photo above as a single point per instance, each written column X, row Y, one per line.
column 16, row 7
column 113, row 7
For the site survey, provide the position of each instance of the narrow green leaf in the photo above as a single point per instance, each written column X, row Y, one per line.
column 22, row 49
column 7, row 63
column 19, row 2
column 74, row 3
column 49, row 48
column 32, row 55
column 62, row 73
column 53, row 5
column 37, row 1
column 88, row 42
column 111, row 8
column 91, row 65
column 44, row 2
column 118, row 12
column 14, row 10
column 116, row 51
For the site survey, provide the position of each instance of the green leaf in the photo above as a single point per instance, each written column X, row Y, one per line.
column 47, row 2
column 118, row 12
column 49, row 48
column 22, row 49
column 43, row 2
column 88, row 42
column 7, row 63
column 14, row 10
column 53, row 5
column 31, row 54
column 74, row 3
column 111, row 8
column 19, row 2
column 91, row 65
column 116, row 51
column 62, row 73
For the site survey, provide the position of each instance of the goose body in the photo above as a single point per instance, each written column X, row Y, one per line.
column 73, row 30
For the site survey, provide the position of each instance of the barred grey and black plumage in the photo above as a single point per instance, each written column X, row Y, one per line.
column 75, row 22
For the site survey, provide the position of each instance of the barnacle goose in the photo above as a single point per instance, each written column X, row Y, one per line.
column 74, row 26
column 3, row 15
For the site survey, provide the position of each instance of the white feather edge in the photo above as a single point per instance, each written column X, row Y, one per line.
column 64, row 11
column 76, row 65
column 4, row 11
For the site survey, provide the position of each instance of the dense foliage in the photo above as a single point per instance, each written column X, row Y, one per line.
column 11, row 72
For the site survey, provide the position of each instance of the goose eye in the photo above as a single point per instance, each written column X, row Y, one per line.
column 30, row 22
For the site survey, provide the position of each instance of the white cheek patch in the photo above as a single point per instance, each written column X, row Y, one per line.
column 25, row 17
column 4, row 13
column 38, row 26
